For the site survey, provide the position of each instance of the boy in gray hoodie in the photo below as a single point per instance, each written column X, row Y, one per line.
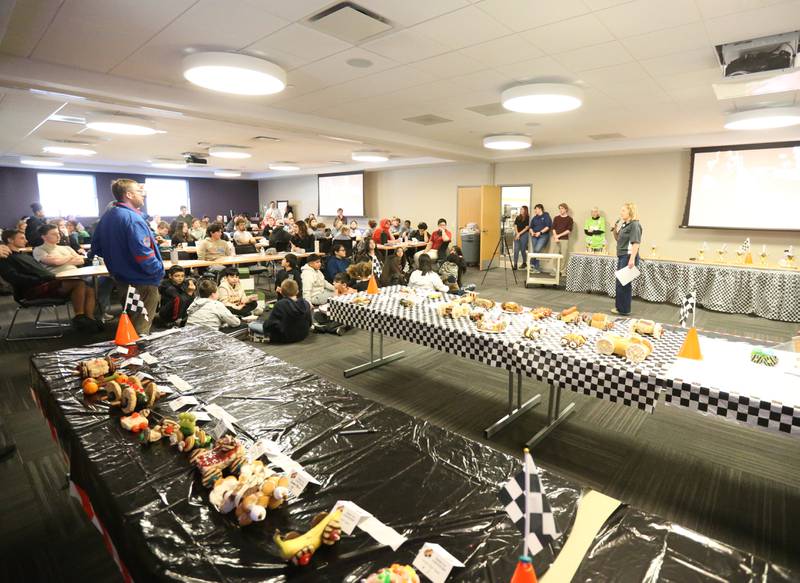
column 207, row 310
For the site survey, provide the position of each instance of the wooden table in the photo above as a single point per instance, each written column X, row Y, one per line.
column 84, row 246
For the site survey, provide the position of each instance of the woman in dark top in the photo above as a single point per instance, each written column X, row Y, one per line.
column 181, row 234
column 393, row 268
column 522, row 236
column 303, row 239
column 628, row 233
column 290, row 271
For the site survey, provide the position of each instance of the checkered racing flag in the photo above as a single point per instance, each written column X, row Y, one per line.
column 134, row 303
column 533, row 516
column 687, row 307
column 746, row 246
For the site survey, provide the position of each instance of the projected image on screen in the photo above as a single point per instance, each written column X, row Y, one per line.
column 341, row 191
column 756, row 188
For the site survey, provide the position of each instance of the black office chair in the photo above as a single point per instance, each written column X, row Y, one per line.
column 40, row 304
column 257, row 269
column 348, row 245
column 325, row 246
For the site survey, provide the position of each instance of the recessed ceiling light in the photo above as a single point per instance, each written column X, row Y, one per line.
column 68, row 151
column 234, row 73
column 507, row 142
column 763, row 119
column 284, row 166
column 229, row 152
column 43, row 162
column 370, row 156
column 542, row 98
column 168, row 164
column 359, row 63
column 127, row 125
column 227, row 173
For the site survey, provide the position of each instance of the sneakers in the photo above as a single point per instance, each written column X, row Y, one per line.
column 470, row 287
column 616, row 311
column 107, row 317
column 82, row 322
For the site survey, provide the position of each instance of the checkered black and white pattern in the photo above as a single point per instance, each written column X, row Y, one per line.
column 764, row 414
column 134, row 303
column 540, row 528
column 768, row 293
column 688, row 306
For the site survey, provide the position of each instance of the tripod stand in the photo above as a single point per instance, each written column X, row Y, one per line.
column 502, row 247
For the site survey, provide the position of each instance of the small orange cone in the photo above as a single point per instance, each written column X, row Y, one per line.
column 748, row 259
column 372, row 287
column 126, row 333
column 524, row 572
column 691, row 346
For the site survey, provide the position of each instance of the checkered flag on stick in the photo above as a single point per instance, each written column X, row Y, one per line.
column 525, row 503
column 746, row 245
column 134, row 303
column 688, row 307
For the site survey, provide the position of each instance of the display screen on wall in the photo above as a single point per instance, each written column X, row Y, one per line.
column 341, row 191
column 756, row 186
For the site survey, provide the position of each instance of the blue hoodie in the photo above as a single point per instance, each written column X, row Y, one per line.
column 334, row 266
column 127, row 245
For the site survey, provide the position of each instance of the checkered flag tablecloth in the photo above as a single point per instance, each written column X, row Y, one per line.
column 539, row 526
column 134, row 303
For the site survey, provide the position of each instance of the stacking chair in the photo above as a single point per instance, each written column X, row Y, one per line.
column 41, row 304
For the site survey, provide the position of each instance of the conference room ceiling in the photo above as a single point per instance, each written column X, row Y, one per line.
column 430, row 94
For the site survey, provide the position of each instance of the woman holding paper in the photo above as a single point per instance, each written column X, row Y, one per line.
column 628, row 233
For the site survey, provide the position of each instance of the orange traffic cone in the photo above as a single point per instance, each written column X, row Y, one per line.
column 691, row 346
column 524, row 572
column 372, row 287
column 126, row 333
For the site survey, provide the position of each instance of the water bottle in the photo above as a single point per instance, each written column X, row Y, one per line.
column 95, row 261
column 173, row 255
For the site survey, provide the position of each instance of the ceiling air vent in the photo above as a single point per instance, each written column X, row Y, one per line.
column 349, row 22
column 489, row 109
column 614, row 136
column 266, row 139
column 427, row 120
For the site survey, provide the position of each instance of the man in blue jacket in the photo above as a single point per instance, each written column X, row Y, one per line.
column 127, row 245
column 541, row 224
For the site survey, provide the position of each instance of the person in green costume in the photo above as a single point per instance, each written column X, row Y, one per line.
column 595, row 229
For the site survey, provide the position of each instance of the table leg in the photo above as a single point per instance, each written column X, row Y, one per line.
column 513, row 412
column 374, row 362
column 555, row 416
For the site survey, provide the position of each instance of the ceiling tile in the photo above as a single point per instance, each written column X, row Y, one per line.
column 783, row 17
column 27, row 24
column 575, row 33
column 715, row 8
column 524, row 14
column 334, row 69
column 605, row 76
column 300, row 41
column 541, row 67
column 670, row 40
column 683, row 62
column 482, row 81
column 450, row 65
column 639, row 92
column 294, row 10
column 502, row 51
column 462, row 28
column 406, row 46
column 699, row 78
column 409, row 13
column 642, row 16
column 587, row 58
column 603, row 4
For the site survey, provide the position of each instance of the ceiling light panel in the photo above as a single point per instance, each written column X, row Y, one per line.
column 234, row 73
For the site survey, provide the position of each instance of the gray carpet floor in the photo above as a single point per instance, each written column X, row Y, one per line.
column 729, row 482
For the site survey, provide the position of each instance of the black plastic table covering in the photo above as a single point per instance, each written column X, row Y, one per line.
column 430, row 484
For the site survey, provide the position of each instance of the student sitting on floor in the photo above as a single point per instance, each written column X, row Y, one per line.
column 425, row 278
column 315, row 288
column 453, row 268
column 176, row 297
column 322, row 322
column 337, row 263
column 207, row 310
column 289, row 320
column 359, row 274
column 233, row 297
column 393, row 272
column 290, row 271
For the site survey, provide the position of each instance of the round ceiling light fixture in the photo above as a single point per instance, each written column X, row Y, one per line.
column 507, row 142
column 229, row 152
column 227, row 173
column 284, row 166
column 40, row 161
column 542, row 98
column 766, row 118
column 68, row 151
column 127, row 125
column 234, row 73
column 168, row 164
column 370, row 156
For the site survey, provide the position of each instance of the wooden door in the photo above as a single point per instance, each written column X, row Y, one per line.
column 469, row 208
column 490, row 221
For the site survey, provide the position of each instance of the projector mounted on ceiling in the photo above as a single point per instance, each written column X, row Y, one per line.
column 194, row 159
column 766, row 54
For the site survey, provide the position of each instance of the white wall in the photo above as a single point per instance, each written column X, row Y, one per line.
column 300, row 191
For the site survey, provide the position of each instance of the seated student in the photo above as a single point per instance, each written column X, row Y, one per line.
column 372, row 224
column 438, row 238
column 182, row 235
column 177, row 295
column 267, row 225
column 198, row 231
column 425, row 278
column 393, row 272
column 337, row 262
column 405, row 229
column 395, row 227
column 354, row 230
column 207, row 310
column 302, row 241
column 31, row 281
column 315, row 288
column 214, row 247
column 290, row 318
column 323, row 322
column 162, row 234
column 322, row 231
column 56, row 257
column 359, row 274
column 343, row 234
column 280, row 238
column 74, row 236
column 241, row 236
column 421, row 234
column 383, row 233
column 291, row 270
column 232, row 295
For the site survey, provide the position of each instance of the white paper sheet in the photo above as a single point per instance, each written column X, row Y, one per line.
column 627, row 275
column 435, row 562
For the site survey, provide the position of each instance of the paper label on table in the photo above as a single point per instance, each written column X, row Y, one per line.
column 179, row 383
column 183, row 401
column 435, row 562
column 352, row 514
column 218, row 429
column 220, row 413
column 141, row 375
column 627, row 275
column 288, row 464
column 148, row 358
column 382, row 533
column 120, row 350
column 298, row 480
column 201, row 416
column 261, row 447
column 134, row 361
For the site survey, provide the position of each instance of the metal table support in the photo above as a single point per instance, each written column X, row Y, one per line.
column 555, row 415
column 373, row 362
column 513, row 412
